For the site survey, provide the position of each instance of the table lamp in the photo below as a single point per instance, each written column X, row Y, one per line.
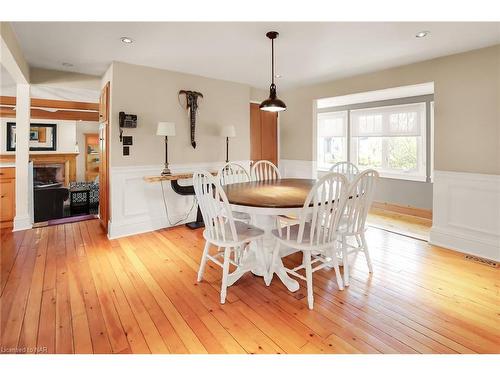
column 228, row 132
column 166, row 129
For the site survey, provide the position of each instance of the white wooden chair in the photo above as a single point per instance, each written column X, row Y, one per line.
column 352, row 224
column 346, row 168
column 221, row 229
column 316, row 234
column 233, row 173
column 264, row 170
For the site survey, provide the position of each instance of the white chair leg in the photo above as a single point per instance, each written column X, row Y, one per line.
column 238, row 253
column 309, row 279
column 345, row 261
column 335, row 262
column 367, row 254
column 274, row 259
column 203, row 261
column 225, row 272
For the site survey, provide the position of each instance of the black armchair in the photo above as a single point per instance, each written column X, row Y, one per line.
column 49, row 202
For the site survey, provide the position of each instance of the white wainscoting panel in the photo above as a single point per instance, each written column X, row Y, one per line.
column 466, row 213
column 298, row 168
column 138, row 206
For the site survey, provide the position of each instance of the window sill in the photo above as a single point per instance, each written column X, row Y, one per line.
column 403, row 177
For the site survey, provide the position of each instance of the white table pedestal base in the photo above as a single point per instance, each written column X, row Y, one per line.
column 258, row 257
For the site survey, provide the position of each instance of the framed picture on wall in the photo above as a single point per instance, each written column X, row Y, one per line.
column 43, row 137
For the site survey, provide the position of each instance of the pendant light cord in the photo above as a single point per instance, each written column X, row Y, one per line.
column 272, row 61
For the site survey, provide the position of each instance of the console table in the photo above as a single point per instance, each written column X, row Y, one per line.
column 181, row 190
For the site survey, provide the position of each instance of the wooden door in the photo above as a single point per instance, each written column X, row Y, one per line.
column 104, row 158
column 263, row 134
column 104, row 104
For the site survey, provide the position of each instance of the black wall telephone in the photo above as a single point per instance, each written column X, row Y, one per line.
column 126, row 121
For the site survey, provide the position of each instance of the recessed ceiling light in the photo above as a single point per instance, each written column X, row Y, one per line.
column 422, row 34
column 126, row 40
column 278, row 76
column 67, row 64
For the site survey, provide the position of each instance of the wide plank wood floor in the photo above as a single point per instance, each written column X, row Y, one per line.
column 68, row 289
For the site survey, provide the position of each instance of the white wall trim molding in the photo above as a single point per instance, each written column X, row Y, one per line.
column 137, row 206
column 22, row 223
column 466, row 213
column 298, row 168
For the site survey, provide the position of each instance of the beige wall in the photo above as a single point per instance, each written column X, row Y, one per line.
column 467, row 111
column 151, row 94
column 63, row 79
column 258, row 95
column 11, row 55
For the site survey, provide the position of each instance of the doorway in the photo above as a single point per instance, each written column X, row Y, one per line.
column 263, row 135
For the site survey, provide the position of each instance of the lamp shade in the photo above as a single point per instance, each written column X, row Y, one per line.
column 228, row 131
column 165, row 129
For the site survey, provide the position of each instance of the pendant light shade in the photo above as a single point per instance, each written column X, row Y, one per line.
column 272, row 104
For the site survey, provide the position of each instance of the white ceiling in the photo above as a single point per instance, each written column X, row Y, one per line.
column 305, row 52
column 8, row 87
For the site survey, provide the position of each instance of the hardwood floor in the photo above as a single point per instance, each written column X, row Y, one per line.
column 407, row 225
column 68, row 289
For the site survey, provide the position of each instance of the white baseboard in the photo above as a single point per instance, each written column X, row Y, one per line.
column 137, row 206
column 464, row 244
column 22, row 223
column 466, row 213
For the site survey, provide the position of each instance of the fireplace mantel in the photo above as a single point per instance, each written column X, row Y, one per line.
column 40, row 158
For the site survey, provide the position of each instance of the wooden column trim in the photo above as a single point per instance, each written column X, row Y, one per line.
column 56, row 104
column 37, row 113
column 64, row 109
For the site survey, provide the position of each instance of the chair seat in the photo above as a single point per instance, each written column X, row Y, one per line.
column 241, row 216
column 246, row 232
column 294, row 233
column 288, row 219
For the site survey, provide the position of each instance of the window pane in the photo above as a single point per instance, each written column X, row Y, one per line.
column 369, row 152
column 402, row 153
column 332, row 140
column 331, row 150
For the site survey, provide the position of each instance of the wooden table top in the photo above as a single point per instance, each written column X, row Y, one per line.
column 172, row 177
column 283, row 193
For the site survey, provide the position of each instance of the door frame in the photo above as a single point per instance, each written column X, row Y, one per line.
column 104, row 117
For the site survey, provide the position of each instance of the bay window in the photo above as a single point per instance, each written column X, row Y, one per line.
column 390, row 139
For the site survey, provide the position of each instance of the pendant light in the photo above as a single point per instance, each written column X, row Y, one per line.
column 272, row 104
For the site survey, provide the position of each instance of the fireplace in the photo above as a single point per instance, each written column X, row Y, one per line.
column 64, row 164
column 48, row 173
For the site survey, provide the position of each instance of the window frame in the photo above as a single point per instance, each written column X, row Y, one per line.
column 424, row 147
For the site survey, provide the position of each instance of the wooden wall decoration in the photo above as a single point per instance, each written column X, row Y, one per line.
column 192, row 107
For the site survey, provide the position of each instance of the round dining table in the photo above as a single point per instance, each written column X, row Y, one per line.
column 264, row 201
